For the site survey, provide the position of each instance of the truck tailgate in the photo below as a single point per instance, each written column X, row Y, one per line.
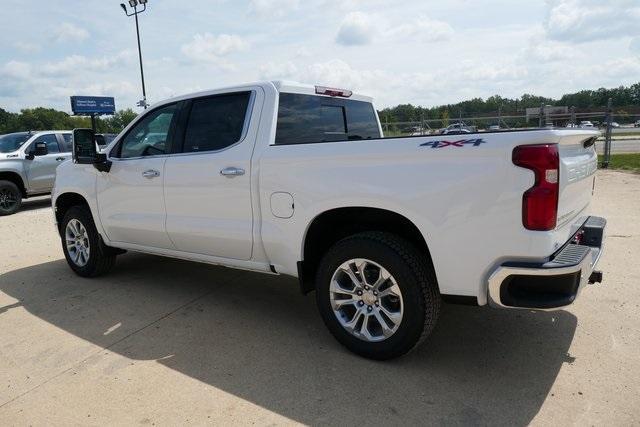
column 578, row 164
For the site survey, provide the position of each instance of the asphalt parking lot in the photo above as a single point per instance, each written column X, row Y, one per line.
column 168, row 342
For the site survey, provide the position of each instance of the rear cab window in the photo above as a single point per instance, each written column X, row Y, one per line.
column 67, row 143
column 216, row 122
column 307, row 119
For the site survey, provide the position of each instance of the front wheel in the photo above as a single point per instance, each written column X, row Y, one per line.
column 83, row 248
column 10, row 198
column 377, row 294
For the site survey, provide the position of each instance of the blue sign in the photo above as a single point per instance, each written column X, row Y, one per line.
column 88, row 105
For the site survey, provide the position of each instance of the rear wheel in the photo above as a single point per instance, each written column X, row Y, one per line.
column 377, row 294
column 83, row 248
column 10, row 198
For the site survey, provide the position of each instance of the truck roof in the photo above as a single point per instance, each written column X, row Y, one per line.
column 281, row 86
column 308, row 89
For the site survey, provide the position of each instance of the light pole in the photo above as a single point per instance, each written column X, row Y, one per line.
column 134, row 4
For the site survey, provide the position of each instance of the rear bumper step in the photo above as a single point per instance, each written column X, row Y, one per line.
column 556, row 282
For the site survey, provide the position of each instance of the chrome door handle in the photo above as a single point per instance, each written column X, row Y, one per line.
column 232, row 171
column 151, row 174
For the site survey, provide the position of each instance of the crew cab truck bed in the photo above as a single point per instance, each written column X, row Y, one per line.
column 298, row 180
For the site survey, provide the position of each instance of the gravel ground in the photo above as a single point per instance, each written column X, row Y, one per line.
column 167, row 342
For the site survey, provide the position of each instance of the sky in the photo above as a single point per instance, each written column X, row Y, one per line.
column 422, row 52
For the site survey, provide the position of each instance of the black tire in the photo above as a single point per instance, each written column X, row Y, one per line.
column 10, row 198
column 414, row 276
column 101, row 257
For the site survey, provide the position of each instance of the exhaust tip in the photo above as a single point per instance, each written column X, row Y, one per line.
column 596, row 277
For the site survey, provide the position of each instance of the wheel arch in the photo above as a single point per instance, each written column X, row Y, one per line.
column 65, row 201
column 16, row 179
column 332, row 225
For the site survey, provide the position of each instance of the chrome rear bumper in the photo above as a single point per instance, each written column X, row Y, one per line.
column 556, row 282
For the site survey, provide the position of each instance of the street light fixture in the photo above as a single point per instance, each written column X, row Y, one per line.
column 134, row 4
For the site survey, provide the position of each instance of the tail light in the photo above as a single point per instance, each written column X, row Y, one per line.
column 321, row 90
column 540, row 202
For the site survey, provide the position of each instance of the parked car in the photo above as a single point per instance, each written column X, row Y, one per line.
column 586, row 124
column 636, row 124
column 456, row 129
column 28, row 162
column 494, row 127
column 297, row 180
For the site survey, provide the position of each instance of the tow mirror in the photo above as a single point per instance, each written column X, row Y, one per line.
column 40, row 149
column 85, row 150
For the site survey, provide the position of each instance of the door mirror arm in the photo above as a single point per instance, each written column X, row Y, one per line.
column 102, row 163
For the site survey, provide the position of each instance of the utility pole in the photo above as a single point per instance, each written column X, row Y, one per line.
column 541, row 115
column 607, row 135
column 134, row 4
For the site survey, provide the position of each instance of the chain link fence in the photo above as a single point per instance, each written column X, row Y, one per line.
column 545, row 116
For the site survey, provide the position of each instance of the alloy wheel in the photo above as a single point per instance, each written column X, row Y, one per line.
column 366, row 300
column 77, row 241
column 8, row 199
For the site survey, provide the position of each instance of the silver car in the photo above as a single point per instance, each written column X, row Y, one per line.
column 28, row 162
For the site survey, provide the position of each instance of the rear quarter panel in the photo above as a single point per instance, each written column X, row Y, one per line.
column 466, row 199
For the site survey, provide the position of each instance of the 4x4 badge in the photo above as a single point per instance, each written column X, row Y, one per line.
column 461, row 143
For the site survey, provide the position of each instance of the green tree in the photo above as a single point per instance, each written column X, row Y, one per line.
column 445, row 118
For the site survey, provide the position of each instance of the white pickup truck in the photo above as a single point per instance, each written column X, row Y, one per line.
column 298, row 180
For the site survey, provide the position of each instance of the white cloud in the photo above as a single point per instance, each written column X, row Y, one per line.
column 272, row 8
column 75, row 64
column 397, row 54
column 28, row 47
column 210, row 48
column 588, row 20
column 16, row 70
column 542, row 50
column 492, row 71
column 613, row 70
column 278, row 71
column 357, row 28
column 69, row 32
column 384, row 86
column 423, row 29
column 119, row 88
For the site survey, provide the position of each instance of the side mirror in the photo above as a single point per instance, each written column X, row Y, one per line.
column 40, row 149
column 85, row 151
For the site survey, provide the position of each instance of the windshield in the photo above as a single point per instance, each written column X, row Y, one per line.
column 12, row 141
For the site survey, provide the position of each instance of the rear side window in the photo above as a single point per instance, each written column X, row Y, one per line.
column 305, row 119
column 216, row 122
column 67, row 145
